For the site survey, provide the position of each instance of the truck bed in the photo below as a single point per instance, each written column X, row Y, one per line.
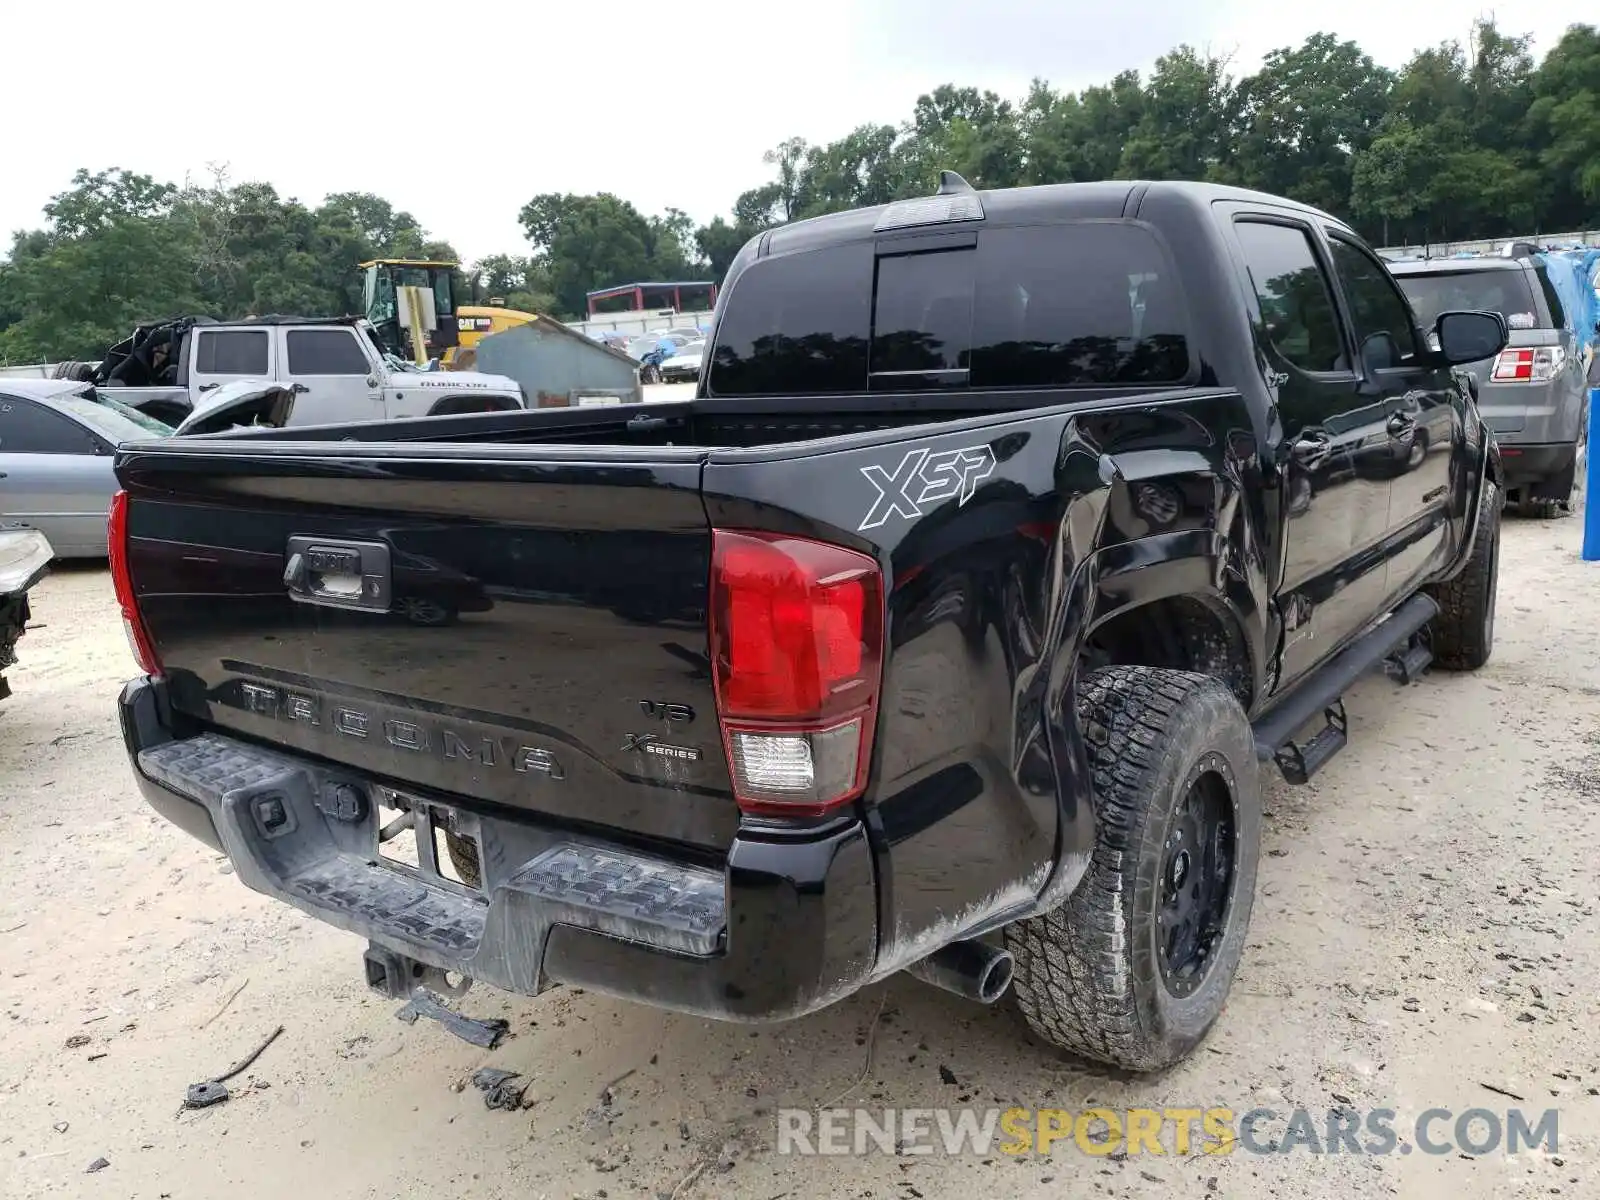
column 707, row 423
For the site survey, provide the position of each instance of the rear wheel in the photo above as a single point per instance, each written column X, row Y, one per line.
column 1574, row 482
column 464, row 858
column 1133, row 969
column 1463, row 632
column 420, row 610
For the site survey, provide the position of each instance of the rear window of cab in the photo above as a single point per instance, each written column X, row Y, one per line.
column 1067, row 305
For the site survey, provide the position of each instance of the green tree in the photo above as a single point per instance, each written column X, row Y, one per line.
column 389, row 233
column 719, row 242
column 110, row 255
column 1303, row 118
column 1457, row 111
column 862, row 168
column 976, row 134
column 1182, row 131
column 1080, row 138
column 120, row 248
column 1564, row 122
column 589, row 242
column 1393, row 176
column 788, row 159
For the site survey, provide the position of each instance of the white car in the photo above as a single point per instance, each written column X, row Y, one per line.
column 684, row 366
column 646, row 343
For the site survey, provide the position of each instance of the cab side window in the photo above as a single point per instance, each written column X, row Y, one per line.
column 232, row 352
column 326, row 352
column 1386, row 331
column 1296, row 300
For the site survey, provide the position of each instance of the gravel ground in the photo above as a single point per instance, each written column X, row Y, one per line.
column 1424, row 935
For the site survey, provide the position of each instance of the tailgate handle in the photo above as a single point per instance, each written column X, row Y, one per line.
column 338, row 574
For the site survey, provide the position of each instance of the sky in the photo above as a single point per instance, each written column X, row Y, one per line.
column 459, row 113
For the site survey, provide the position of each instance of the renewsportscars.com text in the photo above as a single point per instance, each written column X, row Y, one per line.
column 1159, row 1131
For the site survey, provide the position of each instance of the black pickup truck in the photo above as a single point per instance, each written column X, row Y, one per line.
column 943, row 630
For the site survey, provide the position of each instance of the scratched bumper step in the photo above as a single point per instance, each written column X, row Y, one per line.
column 331, row 868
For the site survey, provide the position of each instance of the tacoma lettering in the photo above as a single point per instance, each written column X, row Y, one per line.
column 442, row 743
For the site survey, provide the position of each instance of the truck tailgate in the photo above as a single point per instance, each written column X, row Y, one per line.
column 521, row 627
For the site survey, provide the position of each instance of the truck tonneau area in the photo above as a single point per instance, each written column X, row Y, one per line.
column 683, row 425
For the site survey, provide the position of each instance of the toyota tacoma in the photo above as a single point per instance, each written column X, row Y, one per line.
column 945, row 629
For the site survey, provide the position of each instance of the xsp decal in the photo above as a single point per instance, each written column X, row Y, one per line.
column 923, row 478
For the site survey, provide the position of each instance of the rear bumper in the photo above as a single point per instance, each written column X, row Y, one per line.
column 785, row 927
column 1514, row 410
column 1533, row 463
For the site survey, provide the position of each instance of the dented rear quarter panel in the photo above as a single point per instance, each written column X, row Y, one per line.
column 1004, row 540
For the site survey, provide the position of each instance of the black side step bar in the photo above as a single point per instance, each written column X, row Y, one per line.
column 1408, row 662
column 1300, row 762
column 1321, row 692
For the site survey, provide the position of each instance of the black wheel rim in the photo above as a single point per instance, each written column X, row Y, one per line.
column 1197, row 870
column 421, row 612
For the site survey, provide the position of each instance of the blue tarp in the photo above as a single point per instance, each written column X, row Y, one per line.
column 1575, row 274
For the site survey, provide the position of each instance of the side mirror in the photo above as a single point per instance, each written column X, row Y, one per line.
column 1467, row 337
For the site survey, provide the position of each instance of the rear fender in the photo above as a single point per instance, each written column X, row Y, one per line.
column 993, row 533
column 1166, row 524
column 1489, row 470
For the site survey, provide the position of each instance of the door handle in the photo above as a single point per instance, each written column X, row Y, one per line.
column 1400, row 424
column 206, row 387
column 1311, row 448
column 299, row 389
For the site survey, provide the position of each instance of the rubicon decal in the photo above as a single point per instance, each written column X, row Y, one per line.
column 924, row 478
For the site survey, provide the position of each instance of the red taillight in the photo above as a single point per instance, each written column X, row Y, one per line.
column 144, row 652
column 1513, row 366
column 797, row 639
column 1538, row 365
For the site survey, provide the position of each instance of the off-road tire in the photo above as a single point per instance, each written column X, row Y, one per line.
column 1463, row 632
column 1088, row 975
column 464, row 858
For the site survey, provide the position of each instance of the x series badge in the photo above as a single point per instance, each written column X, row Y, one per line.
column 924, row 478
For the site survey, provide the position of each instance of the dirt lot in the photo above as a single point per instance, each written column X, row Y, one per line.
column 1425, row 932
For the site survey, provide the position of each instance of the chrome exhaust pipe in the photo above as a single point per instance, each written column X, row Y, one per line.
column 974, row 970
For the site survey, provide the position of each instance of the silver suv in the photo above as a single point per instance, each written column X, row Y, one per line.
column 1534, row 393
